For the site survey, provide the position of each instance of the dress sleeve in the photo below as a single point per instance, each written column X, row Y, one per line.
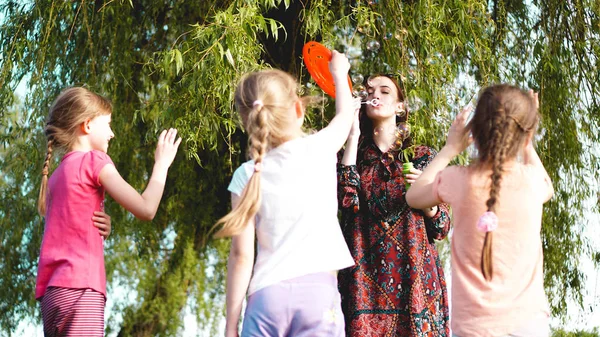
column 348, row 187
column 437, row 226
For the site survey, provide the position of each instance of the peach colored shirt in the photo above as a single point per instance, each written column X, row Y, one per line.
column 516, row 292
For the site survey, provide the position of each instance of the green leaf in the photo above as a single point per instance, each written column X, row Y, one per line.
column 229, row 57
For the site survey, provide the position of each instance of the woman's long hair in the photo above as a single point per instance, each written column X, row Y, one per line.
column 366, row 124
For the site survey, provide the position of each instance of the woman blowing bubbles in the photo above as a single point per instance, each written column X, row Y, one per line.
column 397, row 287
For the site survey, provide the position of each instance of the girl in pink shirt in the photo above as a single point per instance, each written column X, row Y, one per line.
column 497, row 277
column 71, row 280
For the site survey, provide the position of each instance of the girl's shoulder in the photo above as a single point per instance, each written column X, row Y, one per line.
column 98, row 159
column 457, row 172
column 451, row 184
column 99, row 154
column 84, row 159
column 536, row 174
column 245, row 168
column 521, row 172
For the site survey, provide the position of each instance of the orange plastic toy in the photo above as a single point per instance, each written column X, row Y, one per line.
column 316, row 59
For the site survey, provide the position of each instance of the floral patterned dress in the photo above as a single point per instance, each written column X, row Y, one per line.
column 397, row 287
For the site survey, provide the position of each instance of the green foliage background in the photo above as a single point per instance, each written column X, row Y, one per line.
column 175, row 63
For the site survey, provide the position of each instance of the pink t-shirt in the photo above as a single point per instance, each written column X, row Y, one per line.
column 72, row 253
column 516, row 292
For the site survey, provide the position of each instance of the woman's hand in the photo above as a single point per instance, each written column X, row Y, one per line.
column 102, row 222
column 411, row 177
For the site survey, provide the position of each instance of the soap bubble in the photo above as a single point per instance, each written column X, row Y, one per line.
column 414, row 103
column 402, row 131
column 373, row 45
column 358, row 78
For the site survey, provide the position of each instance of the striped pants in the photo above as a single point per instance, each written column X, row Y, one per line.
column 73, row 312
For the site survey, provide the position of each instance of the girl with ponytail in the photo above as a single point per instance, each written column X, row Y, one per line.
column 497, row 201
column 285, row 196
column 71, row 280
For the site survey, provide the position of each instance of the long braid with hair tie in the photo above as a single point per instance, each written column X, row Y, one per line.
column 258, row 136
column 488, row 222
column 44, row 182
column 258, row 133
column 48, row 157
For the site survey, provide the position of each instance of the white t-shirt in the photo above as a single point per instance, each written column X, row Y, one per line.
column 297, row 227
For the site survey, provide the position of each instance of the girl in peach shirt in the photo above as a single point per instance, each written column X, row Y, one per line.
column 497, row 201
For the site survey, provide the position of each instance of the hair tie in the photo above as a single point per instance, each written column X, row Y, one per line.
column 258, row 104
column 257, row 167
column 488, row 222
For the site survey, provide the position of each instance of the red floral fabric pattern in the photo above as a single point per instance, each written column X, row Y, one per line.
column 397, row 287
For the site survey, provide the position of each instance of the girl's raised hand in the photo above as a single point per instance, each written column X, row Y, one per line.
column 167, row 146
column 458, row 138
column 534, row 97
column 143, row 206
column 339, row 64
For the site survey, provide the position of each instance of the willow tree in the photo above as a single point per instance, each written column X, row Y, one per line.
column 174, row 63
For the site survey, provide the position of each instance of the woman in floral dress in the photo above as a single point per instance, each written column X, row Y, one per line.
column 397, row 287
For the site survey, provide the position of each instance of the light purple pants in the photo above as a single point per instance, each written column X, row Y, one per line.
column 301, row 307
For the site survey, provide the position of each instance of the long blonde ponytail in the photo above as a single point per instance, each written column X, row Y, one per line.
column 235, row 222
column 264, row 100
